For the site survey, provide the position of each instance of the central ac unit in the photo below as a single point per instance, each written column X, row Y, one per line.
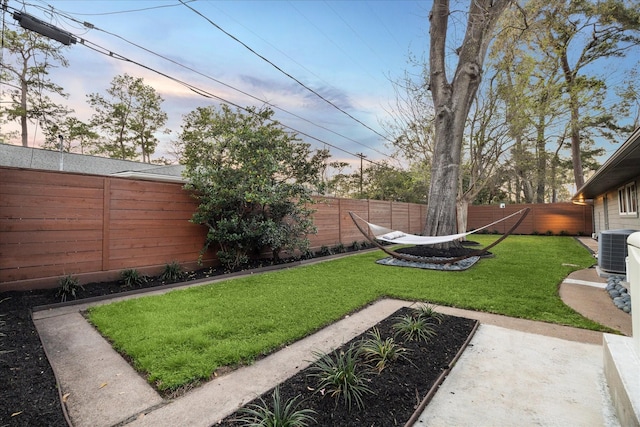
column 612, row 250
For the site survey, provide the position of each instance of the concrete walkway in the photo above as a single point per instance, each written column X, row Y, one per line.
column 515, row 371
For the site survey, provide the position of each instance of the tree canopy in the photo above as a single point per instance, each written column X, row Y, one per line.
column 129, row 117
column 33, row 56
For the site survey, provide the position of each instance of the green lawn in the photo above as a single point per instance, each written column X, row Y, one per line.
column 185, row 335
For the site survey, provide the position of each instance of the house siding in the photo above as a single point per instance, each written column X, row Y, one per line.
column 606, row 215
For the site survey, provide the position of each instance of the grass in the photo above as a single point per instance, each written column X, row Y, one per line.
column 185, row 335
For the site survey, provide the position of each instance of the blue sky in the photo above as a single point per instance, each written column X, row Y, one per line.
column 347, row 51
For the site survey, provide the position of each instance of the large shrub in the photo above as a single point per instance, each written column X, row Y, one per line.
column 253, row 179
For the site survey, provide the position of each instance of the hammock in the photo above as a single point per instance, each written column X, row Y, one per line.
column 399, row 237
column 377, row 232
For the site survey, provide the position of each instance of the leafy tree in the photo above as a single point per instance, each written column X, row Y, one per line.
column 253, row 180
column 385, row 182
column 31, row 57
column 129, row 117
column 78, row 137
column 578, row 34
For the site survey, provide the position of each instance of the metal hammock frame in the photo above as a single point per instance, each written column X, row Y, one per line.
column 412, row 258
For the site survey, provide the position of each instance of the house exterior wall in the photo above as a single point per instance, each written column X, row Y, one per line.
column 606, row 211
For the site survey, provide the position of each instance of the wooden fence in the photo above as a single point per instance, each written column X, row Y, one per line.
column 57, row 223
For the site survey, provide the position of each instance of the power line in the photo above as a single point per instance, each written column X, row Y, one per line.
column 91, row 26
column 285, row 73
column 99, row 49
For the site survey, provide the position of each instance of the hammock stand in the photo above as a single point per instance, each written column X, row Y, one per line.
column 412, row 258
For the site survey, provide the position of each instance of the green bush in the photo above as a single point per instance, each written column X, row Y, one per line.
column 131, row 277
column 356, row 246
column 68, row 286
column 280, row 414
column 254, row 181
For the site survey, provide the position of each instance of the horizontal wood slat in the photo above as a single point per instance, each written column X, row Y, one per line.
column 58, row 223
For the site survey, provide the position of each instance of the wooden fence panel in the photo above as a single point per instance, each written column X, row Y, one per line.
column 400, row 216
column 327, row 220
column 50, row 223
column 380, row 213
column 348, row 231
column 58, row 223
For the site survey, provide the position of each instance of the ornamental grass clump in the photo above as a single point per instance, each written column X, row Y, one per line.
column 68, row 286
column 414, row 328
column 428, row 312
column 172, row 272
column 342, row 376
column 280, row 414
column 379, row 352
column 131, row 277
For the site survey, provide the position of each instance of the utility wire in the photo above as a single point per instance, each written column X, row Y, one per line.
column 97, row 48
column 286, row 74
column 87, row 25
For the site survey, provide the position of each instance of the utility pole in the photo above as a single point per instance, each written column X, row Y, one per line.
column 362, row 156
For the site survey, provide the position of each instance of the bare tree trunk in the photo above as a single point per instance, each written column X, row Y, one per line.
column 462, row 206
column 452, row 102
column 23, row 104
column 541, row 161
column 576, row 157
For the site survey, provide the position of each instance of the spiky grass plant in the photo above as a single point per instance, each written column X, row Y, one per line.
column 279, row 414
column 428, row 312
column 380, row 352
column 413, row 328
column 342, row 376
column 131, row 277
column 172, row 272
column 68, row 286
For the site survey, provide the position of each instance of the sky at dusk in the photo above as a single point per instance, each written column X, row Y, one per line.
column 326, row 67
column 248, row 53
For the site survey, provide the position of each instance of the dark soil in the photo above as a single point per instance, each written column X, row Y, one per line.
column 28, row 392
column 397, row 391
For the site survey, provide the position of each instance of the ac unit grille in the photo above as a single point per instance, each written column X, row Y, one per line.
column 612, row 250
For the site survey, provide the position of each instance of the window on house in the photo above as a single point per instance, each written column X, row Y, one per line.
column 628, row 199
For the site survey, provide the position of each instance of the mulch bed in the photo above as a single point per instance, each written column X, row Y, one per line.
column 29, row 393
column 398, row 391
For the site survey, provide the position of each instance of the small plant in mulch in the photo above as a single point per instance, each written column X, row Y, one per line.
column 172, row 272
column 325, row 251
column 429, row 313
column 279, row 414
column 68, row 286
column 342, row 376
column 339, row 248
column 356, row 245
column 131, row 277
column 412, row 327
column 380, row 352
